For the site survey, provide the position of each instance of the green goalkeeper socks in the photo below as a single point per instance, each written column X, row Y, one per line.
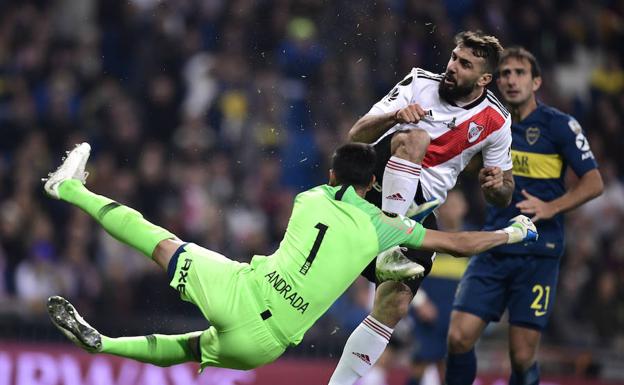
column 123, row 223
column 157, row 349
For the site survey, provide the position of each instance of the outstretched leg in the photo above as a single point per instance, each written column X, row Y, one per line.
column 157, row 349
column 123, row 223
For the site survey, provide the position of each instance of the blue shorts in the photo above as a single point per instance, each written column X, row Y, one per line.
column 523, row 284
column 430, row 338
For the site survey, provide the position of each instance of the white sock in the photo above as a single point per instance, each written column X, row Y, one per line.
column 362, row 350
column 400, row 181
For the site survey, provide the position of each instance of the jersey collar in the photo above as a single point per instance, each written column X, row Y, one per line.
column 341, row 192
column 534, row 113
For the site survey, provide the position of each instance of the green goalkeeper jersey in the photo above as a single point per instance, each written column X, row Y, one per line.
column 332, row 235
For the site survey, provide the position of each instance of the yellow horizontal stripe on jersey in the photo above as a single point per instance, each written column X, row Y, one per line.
column 449, row 267
column 538, row 166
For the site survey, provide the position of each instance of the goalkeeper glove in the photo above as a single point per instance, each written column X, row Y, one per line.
column 520, row 229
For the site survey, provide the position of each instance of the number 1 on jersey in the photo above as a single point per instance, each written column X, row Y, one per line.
column 315, row 248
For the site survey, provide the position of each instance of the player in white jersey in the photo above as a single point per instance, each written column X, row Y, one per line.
column 429, row 126
column 456, row 135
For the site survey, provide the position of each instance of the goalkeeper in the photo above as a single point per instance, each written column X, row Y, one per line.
column 257, row 310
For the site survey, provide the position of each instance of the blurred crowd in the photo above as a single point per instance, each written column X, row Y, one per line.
column 209, row 116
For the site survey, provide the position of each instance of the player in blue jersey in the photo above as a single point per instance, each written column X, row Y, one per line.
column 523, row 278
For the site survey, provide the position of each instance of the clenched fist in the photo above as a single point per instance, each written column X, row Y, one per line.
column 491, row 178
column 410, row 114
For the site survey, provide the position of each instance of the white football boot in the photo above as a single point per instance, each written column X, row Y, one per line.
column 393, row 265
column 73, row 167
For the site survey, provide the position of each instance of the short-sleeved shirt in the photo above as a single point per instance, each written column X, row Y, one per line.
column 545, row 143
column 332, row 235
column 457, row 132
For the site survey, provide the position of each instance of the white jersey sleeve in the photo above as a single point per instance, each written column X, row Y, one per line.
column 399, row 97
column 497, row 152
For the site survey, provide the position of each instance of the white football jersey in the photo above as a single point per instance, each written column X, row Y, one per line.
column 457, row 133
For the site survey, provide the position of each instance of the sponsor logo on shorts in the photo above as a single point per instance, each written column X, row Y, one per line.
column 286, row 291
column 183, row 278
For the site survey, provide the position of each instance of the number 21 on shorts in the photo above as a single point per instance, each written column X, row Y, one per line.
column 540, row 303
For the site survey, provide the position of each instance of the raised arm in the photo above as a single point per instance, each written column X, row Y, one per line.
column 396, row 107
column 371, row 127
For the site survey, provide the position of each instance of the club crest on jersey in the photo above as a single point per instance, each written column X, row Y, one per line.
column 532, row 135
column 474, row 132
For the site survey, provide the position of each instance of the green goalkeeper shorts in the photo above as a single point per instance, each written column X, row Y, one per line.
column 240, row 336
